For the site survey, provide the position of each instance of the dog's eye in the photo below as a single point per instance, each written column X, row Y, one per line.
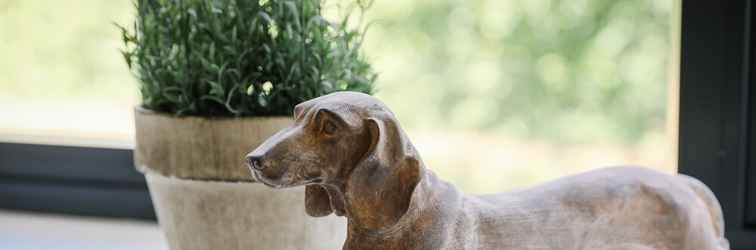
column 329, row 128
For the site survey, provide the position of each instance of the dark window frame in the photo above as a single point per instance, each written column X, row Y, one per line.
column 717, row 111
column 73, row 180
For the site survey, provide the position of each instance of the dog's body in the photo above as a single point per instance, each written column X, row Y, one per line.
column 612, row 208
column 356, row 161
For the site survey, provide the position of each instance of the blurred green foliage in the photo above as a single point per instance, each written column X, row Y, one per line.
column 569, row 71
column 63, row 51
column 242, row 58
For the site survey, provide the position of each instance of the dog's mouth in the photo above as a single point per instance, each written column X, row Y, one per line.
column 259, row 177
column 280, row 183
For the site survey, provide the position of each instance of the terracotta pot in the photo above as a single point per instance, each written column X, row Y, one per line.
column 203, row 193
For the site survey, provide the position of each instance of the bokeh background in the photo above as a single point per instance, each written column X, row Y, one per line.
column 496, row 94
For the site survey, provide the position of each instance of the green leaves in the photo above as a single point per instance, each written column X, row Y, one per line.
column 241, row 58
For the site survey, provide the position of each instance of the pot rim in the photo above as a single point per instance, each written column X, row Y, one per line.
column 139, row 109
column 200, row 148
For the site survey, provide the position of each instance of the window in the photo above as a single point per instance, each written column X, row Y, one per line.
column 496, row 95
column 66, row 101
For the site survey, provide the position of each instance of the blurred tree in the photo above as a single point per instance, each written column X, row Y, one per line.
column 568, row 71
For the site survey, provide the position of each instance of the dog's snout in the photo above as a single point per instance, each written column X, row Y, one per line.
column 255, row 162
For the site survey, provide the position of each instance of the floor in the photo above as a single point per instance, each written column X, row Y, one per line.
column 37, row 231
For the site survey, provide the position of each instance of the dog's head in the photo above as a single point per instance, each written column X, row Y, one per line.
column 342, row 139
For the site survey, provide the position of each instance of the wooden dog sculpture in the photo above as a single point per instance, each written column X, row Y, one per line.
column 355, row 160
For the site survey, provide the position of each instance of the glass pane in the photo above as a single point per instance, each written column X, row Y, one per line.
column 499, row 94
column 496, row 94
column 62, row 78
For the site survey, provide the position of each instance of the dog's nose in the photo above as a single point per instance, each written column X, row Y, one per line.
column 255, row 161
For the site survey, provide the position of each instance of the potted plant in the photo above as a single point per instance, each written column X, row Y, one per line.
column 217, row 77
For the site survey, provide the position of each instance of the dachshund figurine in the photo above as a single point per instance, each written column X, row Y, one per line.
column 356, row 161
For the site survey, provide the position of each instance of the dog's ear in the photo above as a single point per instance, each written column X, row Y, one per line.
column 389, row 173
column 388, row 144
column 317, row 201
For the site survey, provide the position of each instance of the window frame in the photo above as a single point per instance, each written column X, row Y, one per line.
column 716, row 111
column 76, row 180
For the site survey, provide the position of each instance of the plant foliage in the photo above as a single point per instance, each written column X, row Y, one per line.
column 243, row 58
